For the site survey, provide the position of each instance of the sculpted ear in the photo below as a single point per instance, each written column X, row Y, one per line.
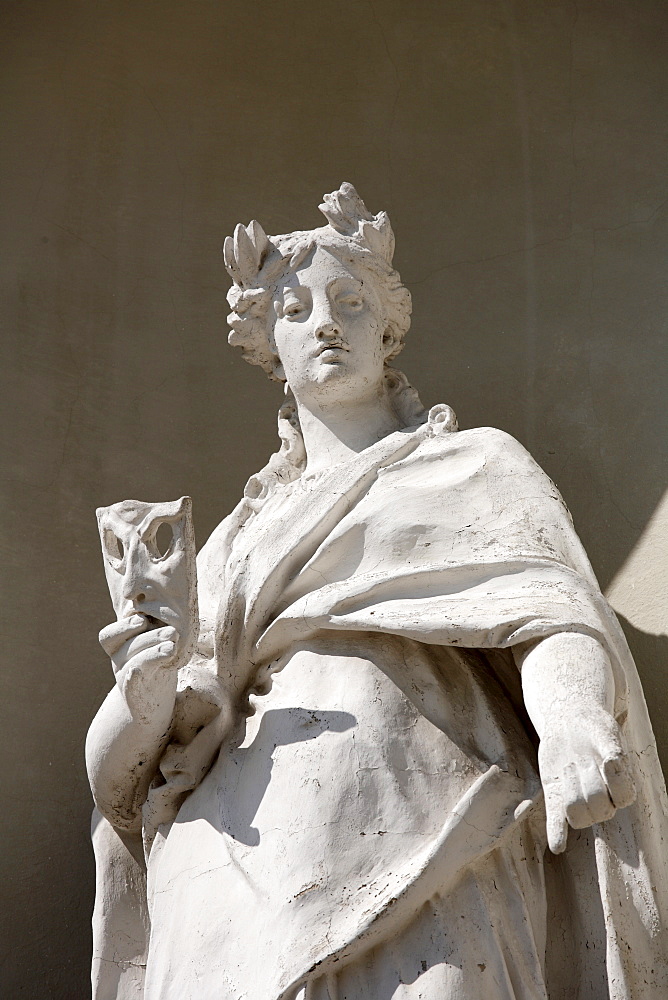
column 390, row 342
column 277, row 370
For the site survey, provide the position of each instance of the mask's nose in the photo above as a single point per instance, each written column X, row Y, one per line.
column 137, row 589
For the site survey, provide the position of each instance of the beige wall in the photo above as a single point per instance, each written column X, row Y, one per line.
column 520, row 149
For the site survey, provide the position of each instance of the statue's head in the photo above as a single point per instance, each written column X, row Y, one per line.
column 334, row 285
column 324, row 311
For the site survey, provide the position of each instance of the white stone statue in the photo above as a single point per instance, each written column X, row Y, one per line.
column 409, row 757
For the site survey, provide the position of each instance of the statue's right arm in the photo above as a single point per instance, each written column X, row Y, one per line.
column 129, row 733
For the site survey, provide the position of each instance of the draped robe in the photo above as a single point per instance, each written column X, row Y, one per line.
column 375, row 829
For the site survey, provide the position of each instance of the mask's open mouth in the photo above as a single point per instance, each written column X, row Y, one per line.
column 155, row 622
column 158, row 617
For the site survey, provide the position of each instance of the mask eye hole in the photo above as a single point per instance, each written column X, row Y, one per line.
column 113, row 545
column 164, row 537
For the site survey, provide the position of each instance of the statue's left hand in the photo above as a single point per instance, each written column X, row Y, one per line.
column 584, row 770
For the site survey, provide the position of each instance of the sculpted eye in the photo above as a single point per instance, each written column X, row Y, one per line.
column 164, row 537
column 351, row 301
column 113, row 545
column 294, row 309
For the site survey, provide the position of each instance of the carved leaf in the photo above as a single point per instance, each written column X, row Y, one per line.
column 230, row 262
column 379, row 237
column 259, row 240
column 347, row 214
column 344, row 210
column 244, row 253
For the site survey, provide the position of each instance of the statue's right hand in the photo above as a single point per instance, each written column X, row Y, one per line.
column 137, row 653
column 131, row 642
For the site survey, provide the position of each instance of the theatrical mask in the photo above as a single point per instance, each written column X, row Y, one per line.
column 149, row 561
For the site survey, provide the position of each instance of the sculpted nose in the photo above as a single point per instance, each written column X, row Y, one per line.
column 137, row 589
column 327, row 328
column 327, row 324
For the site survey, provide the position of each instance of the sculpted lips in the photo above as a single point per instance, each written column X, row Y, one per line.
column 332, row 349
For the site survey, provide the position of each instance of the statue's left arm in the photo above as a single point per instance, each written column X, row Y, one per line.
column 568, row 686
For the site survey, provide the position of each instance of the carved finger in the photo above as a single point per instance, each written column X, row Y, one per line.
column 114, row 635
column 617, row 775
column 575, row 802
column 162, row 655
column 595, row 791
column 145, row 640
column 556, row 825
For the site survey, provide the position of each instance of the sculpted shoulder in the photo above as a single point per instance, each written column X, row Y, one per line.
column 490, row 462
column 489, row 444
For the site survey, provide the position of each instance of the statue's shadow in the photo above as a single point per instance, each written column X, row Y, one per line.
column 248, row 769
column 650, row 653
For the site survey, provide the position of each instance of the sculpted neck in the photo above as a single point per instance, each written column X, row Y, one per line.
column 335, row 430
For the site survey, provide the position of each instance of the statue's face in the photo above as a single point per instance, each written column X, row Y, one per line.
column 328, row 331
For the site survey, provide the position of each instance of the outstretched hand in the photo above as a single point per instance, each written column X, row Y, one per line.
column 584, row 770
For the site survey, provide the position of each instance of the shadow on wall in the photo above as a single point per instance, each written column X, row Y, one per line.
column 651, row 651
